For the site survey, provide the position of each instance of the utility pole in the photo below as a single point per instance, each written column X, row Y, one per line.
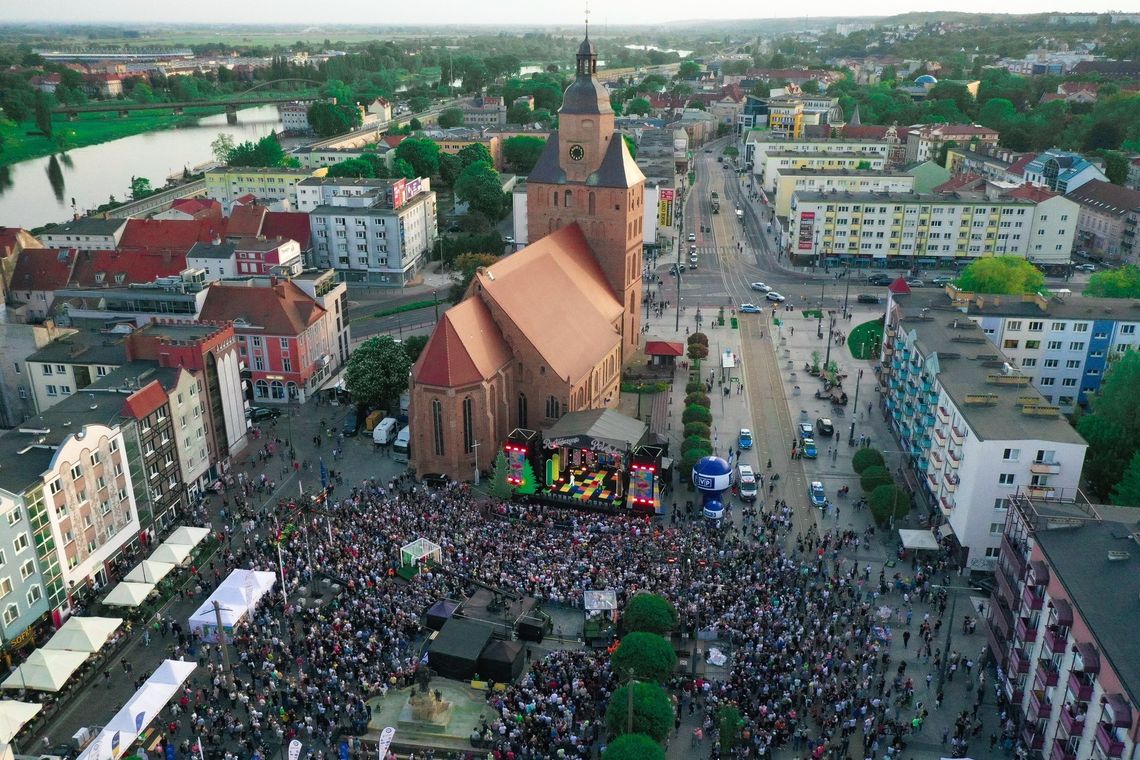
column 819, row 321
column 222, row 641
column 855, row 408
column 846, row 290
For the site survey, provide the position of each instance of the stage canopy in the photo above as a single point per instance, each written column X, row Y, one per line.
column 128, row 594
column 421, row 548
column 595, row 428
column 84, row 634
column 501, row 661
column 188, row 536
column 455, row 651
column 45, row 670
column 236, row 597
column 918, row 540
column 440, row 612
column 13, row 716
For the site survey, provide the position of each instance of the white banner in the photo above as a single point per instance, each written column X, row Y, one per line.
column 386, row 737
column 294, row 749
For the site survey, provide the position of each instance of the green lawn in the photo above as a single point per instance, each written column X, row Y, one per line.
column 87, row 129
column 866, row 339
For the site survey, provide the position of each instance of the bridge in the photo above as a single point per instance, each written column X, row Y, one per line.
column 124, row 108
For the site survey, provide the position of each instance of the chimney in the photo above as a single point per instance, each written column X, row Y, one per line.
column 217, row 239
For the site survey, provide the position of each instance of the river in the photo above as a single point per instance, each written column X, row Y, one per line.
column 40, row 190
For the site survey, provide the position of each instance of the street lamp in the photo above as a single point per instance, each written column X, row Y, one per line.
column 475, row 449
column 855, row 407
column 819, row 312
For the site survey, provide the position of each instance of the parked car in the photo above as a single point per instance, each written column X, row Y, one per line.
column 868, row 298
column 760, row 287
column 816, row 494
column 914, row 282
column 1085, row 268
column 879, row 279
column 750, row 308
column 692, row 237
column 824, row 426
column 774, row 296
column 259, row 413
column 744, row 440
column 809, row 449
column 806, row 430
column 693, row 262
column 940, row 282
column 351, row 424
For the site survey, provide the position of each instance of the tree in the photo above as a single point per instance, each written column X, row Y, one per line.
column 639, row 106
column 889, row 500
column 480, row 187
column 466, row 265
column 873, row 477
column 519, row 113
column 1115, row 283
column 696, row 104
column 631, row 145
column 140, row 188
column 422, row 154
column 1112, row 429
column 1126, row 493
column 698, row 337
column 377, row 371
column 689, row 70
column 450, row 167
column 633, row 747
column 474, row 153
column 419, row 104
column 648, row 655
column 337, row 90
column 1115, row 166
column 142, row 93
column 265, row 152
column 696, row 413
column 698, row 351
column 451, row 117
column 499, row 486
column 401, row 168
column 221, row 147
column 652, row 711
column 414, row 346
column 352, row 167
column 1008, row 275
column 328, row 119
column 521, row 153
column 730, row 722
column 866, row 457
column 43, row 113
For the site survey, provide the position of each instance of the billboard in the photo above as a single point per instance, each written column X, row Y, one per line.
column 399, row 192
column 665, row 207
column 807, row 230
column 412, row 188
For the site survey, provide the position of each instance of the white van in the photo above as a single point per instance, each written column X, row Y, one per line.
column 402, row 445
column 384, row 431
column 746, row 482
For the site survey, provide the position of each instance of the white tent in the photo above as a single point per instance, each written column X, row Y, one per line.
column 149, row 571
column 84, row 634
column 236, row 596
column 128, row 594
column 45, row 670
column 128, row 723
column 918, row 540
column 187, row 536
column 173, row 553
column 13, row 716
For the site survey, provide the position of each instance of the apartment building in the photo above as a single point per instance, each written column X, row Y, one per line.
column 88, row 234
column 1106, row 223
column 273, row 184
column 929, row 229
column 770, row 164
column 24, row 604
column 1061, row 626
column 1061, row 171
column 786, row 183
column 924, row 141
column 70, row 364
column 246, row 256
column 295, row 117
column 970, row 424
column 484, row 111
column 380, row 236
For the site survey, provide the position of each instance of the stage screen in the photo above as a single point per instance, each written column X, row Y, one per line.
column 516, row 463
column 641, row 485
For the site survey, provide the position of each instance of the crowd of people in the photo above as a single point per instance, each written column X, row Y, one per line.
column 811, row 667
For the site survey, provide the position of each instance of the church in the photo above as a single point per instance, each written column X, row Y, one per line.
column 547, row 330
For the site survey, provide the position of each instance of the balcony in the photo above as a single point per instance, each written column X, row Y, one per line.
column 1061, row 751
column 1047, row 674
column 936, row 459
column 1032, row 737
column 1038, row 707
column 956, row 435
column 1032, row 598
column 953, row 458
column 1003, row 619
column 1055, row 640
column 1018, row 661
column 1073, row 721
column 1045, row 468
column 943, row 415
column 1041, row 492
column 952, row 482
column 1016, row 554
column 1109, row 744
column 1080, row 687
column 947, row 505
column 1006, row 585
column 1024, row 630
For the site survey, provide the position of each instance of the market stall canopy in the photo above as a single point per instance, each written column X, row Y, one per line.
column 13, row 716
column 237, row 595
column 173, row 553
column 918, row 540
column 187, row 536
column 45, row 670
column 84, row 634
column 128, row 594
column 595, row 429
column 149, row 571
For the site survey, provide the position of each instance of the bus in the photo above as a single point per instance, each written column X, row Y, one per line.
column 402, row 445
column 715, row 198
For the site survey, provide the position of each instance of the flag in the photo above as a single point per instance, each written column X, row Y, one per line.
column 140, row 721
column 294, row 749
column 385, row 741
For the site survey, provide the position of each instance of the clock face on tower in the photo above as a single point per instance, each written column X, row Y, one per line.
column 577, row 152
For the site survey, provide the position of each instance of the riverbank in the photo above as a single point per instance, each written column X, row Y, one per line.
column 89, row 129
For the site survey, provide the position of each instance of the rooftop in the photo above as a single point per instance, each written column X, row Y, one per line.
column 1105, row 196
column 83, row 347
column 903, row 197
column 1069, row 307
column 88, row 226
column 1079, row 558
column 966, row 362
column 825, row 154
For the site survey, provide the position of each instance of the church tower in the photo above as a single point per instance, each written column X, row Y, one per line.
column 586, row 175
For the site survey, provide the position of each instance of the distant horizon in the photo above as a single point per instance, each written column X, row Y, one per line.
column 635, row 13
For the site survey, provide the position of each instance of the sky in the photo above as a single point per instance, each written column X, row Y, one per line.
column 490, row 11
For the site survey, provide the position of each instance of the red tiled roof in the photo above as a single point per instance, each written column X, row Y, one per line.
column 292, row 225
column 245, row 220
column 393, row 140
column 664, row 348
column 177, row 235
column 43, row 269
column 1049, row 97
column 245, row 200
column 1032, row 193
column 1017, row 168
column 282, row 309
column 465, row 348
column 959, row 181
column 144, row 401
column 1069, row 88
column 199, row 208
column 125, row 267
column 865, row 132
